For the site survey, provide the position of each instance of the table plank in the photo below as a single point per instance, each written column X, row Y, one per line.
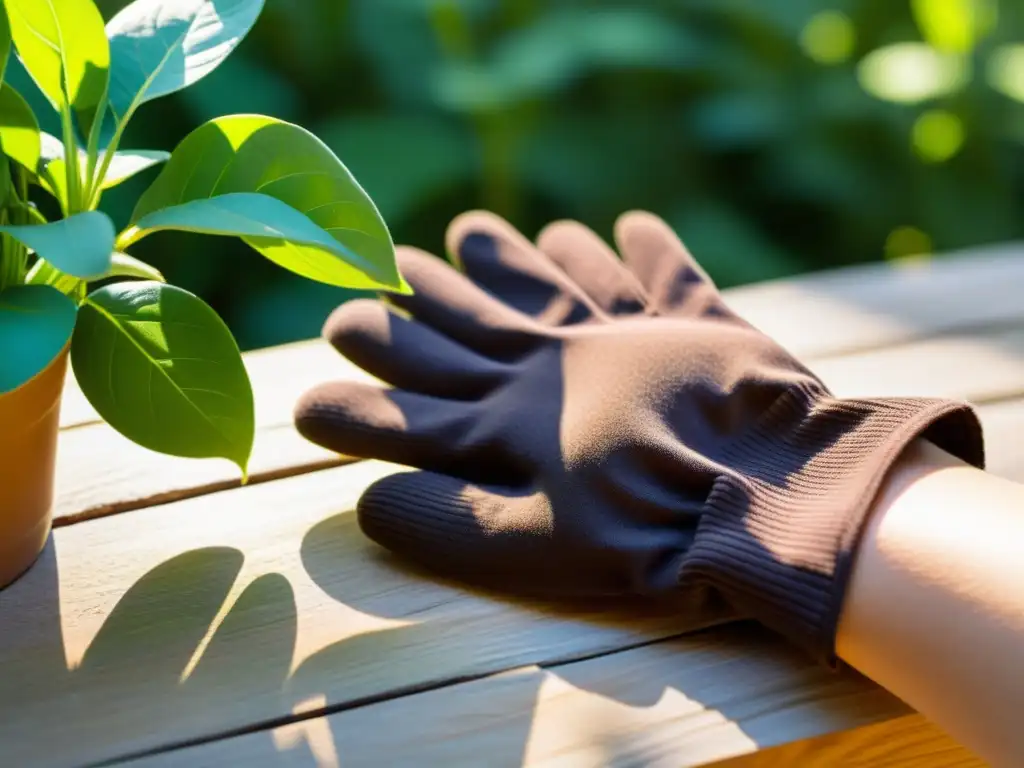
column 863, row 307
column 99, row 472
column 685, row 702
column 814, row 316
column 202, row 616
column 245, row 604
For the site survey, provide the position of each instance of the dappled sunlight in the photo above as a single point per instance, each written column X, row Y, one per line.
column 911, row 72
column 313, row 734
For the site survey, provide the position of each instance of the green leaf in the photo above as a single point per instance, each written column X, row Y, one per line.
column 161, row 46
column 63, row 46
column 5, row 42
column 19, row 130
column 436, row 156
column 252, row 153
column 121, row 265
column 36, row 323
column 129, row 162
column 162, row 368
column 123, row 165
column 285, row 236
column 79, row 245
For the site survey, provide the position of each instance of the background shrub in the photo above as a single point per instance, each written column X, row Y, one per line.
column 777, row 137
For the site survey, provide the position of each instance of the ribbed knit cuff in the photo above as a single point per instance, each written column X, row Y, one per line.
column 781, row 526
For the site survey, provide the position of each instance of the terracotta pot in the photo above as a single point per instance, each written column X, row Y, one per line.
column 29, row 422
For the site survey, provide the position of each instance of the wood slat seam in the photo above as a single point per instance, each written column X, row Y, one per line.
column 204, row 489
column 315, row 713
column 395, row 694
column 954, row 331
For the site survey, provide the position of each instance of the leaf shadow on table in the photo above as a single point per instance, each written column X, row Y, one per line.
column 457, row 635
column 154, row 660
column 713, row 704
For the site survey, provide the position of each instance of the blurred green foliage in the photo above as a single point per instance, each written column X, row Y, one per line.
column 776, row 137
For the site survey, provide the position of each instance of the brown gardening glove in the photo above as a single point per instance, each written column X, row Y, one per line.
column 594, row 426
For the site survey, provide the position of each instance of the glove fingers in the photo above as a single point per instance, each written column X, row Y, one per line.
column 497, row 257
column 409, row 355
column 588, row 261
column 453, row 305
column 675, row 283
column 370, row 422
column 496, row 537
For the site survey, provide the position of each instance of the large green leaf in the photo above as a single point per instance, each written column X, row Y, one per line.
column 79, row 245
column 63, row 46
column 5, row 41
column 280, row 232
column 35, row 324
column 252, row 153
column 19, row 131
column 161, row 46
column 162, row 368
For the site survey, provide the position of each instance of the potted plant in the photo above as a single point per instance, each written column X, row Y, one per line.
column 155, row 361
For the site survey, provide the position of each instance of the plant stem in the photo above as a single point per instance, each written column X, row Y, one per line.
column 96, row 185
column 128, row 237
column 71, row 164
column 14, row 255
column 94, row 144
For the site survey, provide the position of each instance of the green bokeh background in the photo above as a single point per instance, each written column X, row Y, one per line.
column 753, row 127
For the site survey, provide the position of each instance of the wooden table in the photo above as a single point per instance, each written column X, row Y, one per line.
column 178, row 619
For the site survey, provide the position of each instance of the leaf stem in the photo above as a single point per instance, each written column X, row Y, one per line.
column 94, row 145
column 71, row 164
column 128, row 237
column 96, row 184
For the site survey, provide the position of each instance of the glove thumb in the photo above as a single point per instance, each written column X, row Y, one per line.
column 488, row 536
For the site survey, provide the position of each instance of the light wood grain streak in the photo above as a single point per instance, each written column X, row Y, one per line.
column 976, row 366
column 683, row 702
column 100, row 472
column 814, row 316
column 864, row 307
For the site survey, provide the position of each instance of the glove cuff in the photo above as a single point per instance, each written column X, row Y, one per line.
column 782, row 523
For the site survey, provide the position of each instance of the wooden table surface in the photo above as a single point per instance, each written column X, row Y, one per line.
column 177, row 619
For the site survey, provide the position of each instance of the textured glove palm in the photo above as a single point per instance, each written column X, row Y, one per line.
column 596, row 426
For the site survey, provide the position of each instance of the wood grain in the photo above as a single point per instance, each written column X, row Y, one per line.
column 685, row 702
column 202, row 616
column 834, row 312
column 100, row 473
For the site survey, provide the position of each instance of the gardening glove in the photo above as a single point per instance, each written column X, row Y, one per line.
column 589, row 426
